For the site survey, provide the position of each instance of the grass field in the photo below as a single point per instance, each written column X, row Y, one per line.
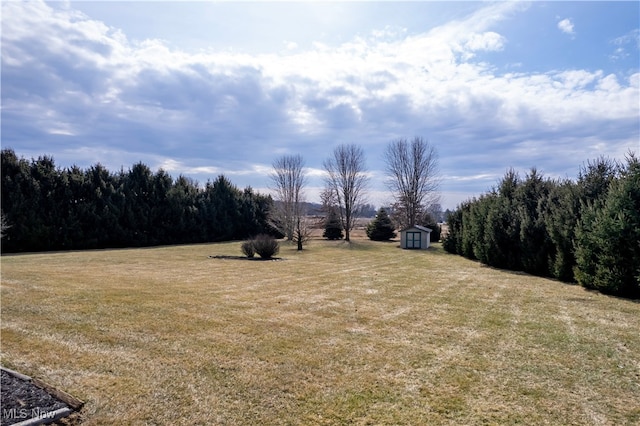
column 338, row 334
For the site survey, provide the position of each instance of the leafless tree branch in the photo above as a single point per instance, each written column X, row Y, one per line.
column 288, row 181
column 347, row 180
column 413, row 176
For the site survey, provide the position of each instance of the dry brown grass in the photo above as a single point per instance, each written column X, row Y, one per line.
column 363, row 334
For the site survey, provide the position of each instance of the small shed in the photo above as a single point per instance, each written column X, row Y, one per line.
column 415, row 237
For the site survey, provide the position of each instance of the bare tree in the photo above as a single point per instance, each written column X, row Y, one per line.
column 347, row 180
column 288, row 179
column 413, row 177
column 303, row 230
column 328, row 200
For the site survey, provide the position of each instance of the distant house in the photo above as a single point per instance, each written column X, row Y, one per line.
column 416, row 237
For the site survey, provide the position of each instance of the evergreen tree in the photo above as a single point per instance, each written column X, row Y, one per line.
column 183, row 213
column 472, row 228
column 19, row 203
column 160, row 208
column 333, row 226
column 608, row 238
column 452, row 242
column 595, row 179
column 381, row 228
column 588, row 231
column 475, row 245
column 429, row 220
column 534, row 239
column 135, row 190
column 47, row 178
column 224, row 199
column 106, row 204
column 502, row 234
column 51, row 208
column 254, row 214
column 560, row 215
column 75, row 208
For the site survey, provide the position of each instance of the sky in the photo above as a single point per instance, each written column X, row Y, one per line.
column 208, row 88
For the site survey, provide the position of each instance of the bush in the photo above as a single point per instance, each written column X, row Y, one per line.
column 266, row 246
column 248, row 249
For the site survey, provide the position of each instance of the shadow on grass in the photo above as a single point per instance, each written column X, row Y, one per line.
column 557, row 280
column 254, row 259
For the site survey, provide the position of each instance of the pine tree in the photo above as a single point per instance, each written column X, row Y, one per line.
column 452, row 243
column 608, row 236
column 381, row 228
column 333, row 226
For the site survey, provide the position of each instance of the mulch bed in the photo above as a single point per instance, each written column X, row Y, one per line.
column 30, row 401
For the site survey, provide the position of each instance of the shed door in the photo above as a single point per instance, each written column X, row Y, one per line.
column 414, row 240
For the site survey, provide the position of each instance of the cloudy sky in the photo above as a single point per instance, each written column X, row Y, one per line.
column 209, row 88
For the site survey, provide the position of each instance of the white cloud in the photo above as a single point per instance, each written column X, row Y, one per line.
column 63, row 130
column 625, row 43
column 173, row 166
column 468, row 178
column 486, row 41
column 618, row 54
column 566, row 26
column 315, row 172
column 215, row 112
column 578, row 79
column 632, row 37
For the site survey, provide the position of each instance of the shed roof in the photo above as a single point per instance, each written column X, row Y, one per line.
column 421, row 228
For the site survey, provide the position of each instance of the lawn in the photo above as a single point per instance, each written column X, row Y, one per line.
column 361, row 333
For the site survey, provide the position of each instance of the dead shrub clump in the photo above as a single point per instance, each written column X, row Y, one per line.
column 264, row 245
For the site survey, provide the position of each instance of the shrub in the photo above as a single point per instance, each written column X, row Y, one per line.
column 266, row 246
column 248, row 249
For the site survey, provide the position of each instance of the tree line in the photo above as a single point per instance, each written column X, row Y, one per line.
column 48, row 208
column 45, row 207
column 585, row 231
column 412, row 176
